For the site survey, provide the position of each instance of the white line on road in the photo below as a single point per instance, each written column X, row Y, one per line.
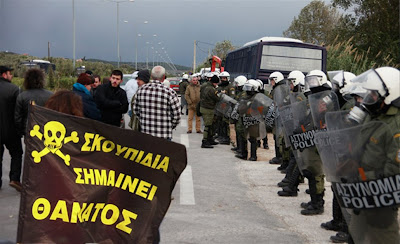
column 185, row 140
column 186, row 187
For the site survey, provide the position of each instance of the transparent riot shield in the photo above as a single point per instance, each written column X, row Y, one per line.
column 320, row 104
column 363, row 164
column 281, row 98
column 286, row 117
column 299, row 129
column 260, row 105
column 225, row 105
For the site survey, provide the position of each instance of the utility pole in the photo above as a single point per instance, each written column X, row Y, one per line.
column 73, row 35
column 48, row 51
column 194, row 57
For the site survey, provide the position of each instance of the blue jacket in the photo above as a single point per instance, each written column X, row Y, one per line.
column 90, row 109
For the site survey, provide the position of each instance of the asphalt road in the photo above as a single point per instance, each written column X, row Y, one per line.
column 218, row 199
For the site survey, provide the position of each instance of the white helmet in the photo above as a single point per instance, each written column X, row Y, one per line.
column 185, row 76
column 296, row 77
column 251, row 85
column 341, row 77
column 316, row 78
column 224, row 74
column 240, row 80
column 209, row 74
column 260, row 84
column 276, row 76
column 385, row 81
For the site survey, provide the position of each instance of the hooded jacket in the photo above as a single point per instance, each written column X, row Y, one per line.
column 90, row 109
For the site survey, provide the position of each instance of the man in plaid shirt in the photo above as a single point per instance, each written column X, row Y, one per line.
column 157, row 106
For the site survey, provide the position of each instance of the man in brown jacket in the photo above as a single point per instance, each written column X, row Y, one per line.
column 192, row 96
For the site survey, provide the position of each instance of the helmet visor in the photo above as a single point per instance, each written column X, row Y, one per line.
column 313, row 81
column 370, row 80
column 248, row 87
column 371, row 97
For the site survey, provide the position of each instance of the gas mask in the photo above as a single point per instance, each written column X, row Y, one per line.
column 358, row 114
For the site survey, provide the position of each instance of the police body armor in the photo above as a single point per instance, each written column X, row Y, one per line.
column 363, row 164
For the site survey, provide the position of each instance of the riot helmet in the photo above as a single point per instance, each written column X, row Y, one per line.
column 316, row 81
column 296, row 79
column 240, row 80
column 275, row 77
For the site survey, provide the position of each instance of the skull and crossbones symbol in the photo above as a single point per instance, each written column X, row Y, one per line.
column 54, row 138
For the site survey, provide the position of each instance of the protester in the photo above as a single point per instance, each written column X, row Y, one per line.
column 66, row 102
column 131, row 89
column 157, row 106
column 111, row 100
column 82, row 88
column 143, row 77
column 97, row 82
column 158, row 109
column 8, row 133
column 35, row 93
column 192, row 96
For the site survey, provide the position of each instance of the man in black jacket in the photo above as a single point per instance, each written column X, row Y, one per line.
column 112, row 100
column 8, row 134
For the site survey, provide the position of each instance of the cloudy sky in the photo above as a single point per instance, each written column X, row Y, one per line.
column 28, row 25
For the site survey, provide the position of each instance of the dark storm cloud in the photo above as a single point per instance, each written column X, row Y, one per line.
column 31, row 24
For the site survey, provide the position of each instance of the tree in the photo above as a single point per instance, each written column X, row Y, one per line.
column 315, row 24
column 221, row 49
column 376, row 28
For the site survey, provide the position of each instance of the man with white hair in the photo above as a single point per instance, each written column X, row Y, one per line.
column 157, row 106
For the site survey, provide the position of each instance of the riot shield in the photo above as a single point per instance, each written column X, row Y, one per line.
column 286, row 117
column 281, row 98
column 282, row 95
column 362, row 162
column 225, row 105
column 320, row 104
column 299, row 129
column 260, row 105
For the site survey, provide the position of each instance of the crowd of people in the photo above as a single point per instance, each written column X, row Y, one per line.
column 291, row 108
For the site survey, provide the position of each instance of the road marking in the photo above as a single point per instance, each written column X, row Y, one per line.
column 186, row 187
column 185, row 140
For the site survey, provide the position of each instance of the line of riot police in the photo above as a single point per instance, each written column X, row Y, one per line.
column 346, row 129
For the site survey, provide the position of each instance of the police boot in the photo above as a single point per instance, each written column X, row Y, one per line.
column 275, row 160
column 289, row 171
column 316, row 205
column 253, row 149
column 224, row 139
column 265, row 142
column 283, row 166
column 336, row 223
column 291, row 189
column 206, row 144
column 237, row 144
column 340, row 237
column 210, row 137
column 242, row 152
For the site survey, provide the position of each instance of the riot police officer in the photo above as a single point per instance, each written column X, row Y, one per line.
column 222, row 123
column 208, row 100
